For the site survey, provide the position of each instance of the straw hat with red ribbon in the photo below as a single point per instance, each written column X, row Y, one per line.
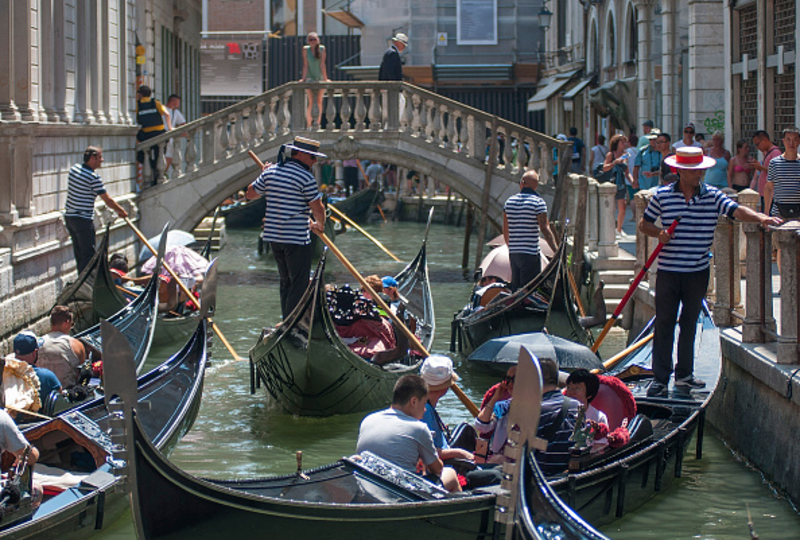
column 690, row 157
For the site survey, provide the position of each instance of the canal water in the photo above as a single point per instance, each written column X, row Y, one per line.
column 239, row 435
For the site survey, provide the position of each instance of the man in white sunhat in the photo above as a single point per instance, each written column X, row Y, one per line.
column 291, row 190
column 437, row 371
column 391, row 66
column 683, row 264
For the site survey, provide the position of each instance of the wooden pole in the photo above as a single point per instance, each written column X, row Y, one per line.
column 614, row 360
column 487, row 188
column 185, row 290
column 467, row 237
column 362, row 231
column 412, row 338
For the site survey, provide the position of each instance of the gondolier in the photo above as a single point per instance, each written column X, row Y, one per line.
column 524, row 219
column 683, row 264
column 290, row 190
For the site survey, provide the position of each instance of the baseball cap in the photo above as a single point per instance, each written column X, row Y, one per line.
column 437, row 370
column 389, row 281
column 26, row 342
column 689, row 125
column 648, row 123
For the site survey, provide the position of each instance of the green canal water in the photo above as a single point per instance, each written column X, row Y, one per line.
column 239, row 435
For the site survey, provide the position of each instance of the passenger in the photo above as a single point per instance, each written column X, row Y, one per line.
column 118, row 266
column 556, row 422
column 397, row 434
column 26, row 386
column 583, row 386
column 60, row 353
column 437, row 371
column 389, row 285
column 492, row 420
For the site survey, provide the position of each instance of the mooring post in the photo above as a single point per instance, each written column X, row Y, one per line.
column 487, row 185
column 467, row 235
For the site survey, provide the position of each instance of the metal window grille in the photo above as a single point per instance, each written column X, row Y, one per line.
column 784, row 23
column 784, row 102
column 748, row 107
column 748, row 31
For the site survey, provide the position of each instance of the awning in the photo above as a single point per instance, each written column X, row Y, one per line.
column 554, row 84
column 578, row 88
column 346, row 18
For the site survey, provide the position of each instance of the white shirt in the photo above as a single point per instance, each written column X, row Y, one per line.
column 176, row 117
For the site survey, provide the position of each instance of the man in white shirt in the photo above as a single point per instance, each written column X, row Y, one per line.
column 599, row 152
column 177, row 119
column 688, row 138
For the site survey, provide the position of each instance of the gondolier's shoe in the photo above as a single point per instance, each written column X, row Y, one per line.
column 689, row 382
column 657, row 389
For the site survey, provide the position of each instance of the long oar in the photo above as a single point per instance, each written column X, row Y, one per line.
column 341, row 215
column 632, row 288
column 185, row 290
column 362, row 231
column 366, row 181
column 29, row 413
column 473, row 409
column 617, row 358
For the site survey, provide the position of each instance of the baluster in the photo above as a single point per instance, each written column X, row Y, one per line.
column 233, row 140
column 224, row 140
column 430, row 111
column 452, row 130
column 346, row 110
column 375, row 111
column 464, row 135
column 360, row 111
column 285, row 116
column 407, row 114
column 251, row 127
column 330, row 110
column 258, row 122
column 545, row 163
column 177, row 157
column 533, row 155
column 241, row 133
column 272, row 118
column 147, row 171
column 519, row 159
column 444, row 118
column 191, row 153
column 416, row 121
column 161, row 162
column 508, row 153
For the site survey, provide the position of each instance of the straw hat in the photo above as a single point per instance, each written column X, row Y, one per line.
column 437, row 370
column 400, row 37
column 690, row 157
column 654, row 133
column 308, row 146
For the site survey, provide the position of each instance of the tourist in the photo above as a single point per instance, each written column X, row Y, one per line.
column 688, row 138
column 599, row 152
column 11, row 438
column 350, row 175
column 391, row 66
column 61, row 353
column 151, row 117
column 577, row 150
column 492, row 420
column 683, row 264
column 648, row 162
column 397, row 434
column 616, row 162
column 176, row 119
column 83, row 186
column 717, row 175
column 26, row 349
column 782, row 192
column 583, row 385
column 644, row 140
column 556, row 421
column 663, row 146
column 524, row 219
column 764, row 145
column 314, row 70
column 632, row 181
column 291, row 190
column 374, row 174
column 740, row 169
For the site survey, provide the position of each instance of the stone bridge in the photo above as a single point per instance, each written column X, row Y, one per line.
column 473, row 152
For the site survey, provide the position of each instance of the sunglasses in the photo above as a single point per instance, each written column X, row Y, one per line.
column 508, row 379
column 688, row 131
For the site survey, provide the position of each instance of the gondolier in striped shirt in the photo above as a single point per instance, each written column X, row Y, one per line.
column 83, row 187
column 524, row 219
column 291, row 190
column 684, row 264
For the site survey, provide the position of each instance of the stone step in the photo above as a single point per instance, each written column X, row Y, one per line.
column 615, row 277
column 624, row 261
column 615, row 291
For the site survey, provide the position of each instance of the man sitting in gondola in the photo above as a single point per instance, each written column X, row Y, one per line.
column 397, row 434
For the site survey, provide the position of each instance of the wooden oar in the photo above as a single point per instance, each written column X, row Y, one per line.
column 473, row 409
column 576, row 293
column 634, row 284
column 341, row 215
column 29, row 413
column 185, row 290
column 366, row 181
column 362, row 231
column 617, row 358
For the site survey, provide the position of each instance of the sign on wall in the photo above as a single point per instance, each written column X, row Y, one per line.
column 231, row 68
column 477, row 22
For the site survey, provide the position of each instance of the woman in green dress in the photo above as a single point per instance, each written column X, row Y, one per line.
column 314, row 70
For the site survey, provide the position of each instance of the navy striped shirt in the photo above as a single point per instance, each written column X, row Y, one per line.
column 689, row 248
column 522, row 211
column 83, row 187
column 288, row 188
column 785, row 177
column 556, row 458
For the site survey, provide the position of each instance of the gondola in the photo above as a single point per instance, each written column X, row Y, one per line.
column 602, row 488
column 309, row 371
column 360, row 205
column 244, row 214
column 77, row 442
column 355, row 497
column 545, row 302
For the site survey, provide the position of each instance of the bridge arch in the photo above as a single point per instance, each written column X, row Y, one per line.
column 433, row 135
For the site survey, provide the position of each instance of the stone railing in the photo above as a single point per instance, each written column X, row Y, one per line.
column 353, row 108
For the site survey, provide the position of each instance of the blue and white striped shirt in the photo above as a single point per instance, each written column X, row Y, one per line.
column 689, row 248
column 83, row 187
column 785, row 177
column 288, row 188
column 522, row 211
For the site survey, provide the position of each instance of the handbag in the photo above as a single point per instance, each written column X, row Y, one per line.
column 788, row 210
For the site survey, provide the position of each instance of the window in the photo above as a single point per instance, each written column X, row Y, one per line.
column 611, row 42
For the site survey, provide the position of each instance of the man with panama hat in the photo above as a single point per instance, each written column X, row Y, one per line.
column 391, row 67
column 291, row 190
column 683, row 264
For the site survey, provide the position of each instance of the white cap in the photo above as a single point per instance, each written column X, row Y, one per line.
column 437, row 370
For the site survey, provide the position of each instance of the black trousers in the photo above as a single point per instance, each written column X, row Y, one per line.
column 294, row 267
column 672, row 290
column 81, row 231
column 524, row 267
column 350, row 180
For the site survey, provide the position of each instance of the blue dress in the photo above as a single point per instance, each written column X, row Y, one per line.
column 717, row 175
